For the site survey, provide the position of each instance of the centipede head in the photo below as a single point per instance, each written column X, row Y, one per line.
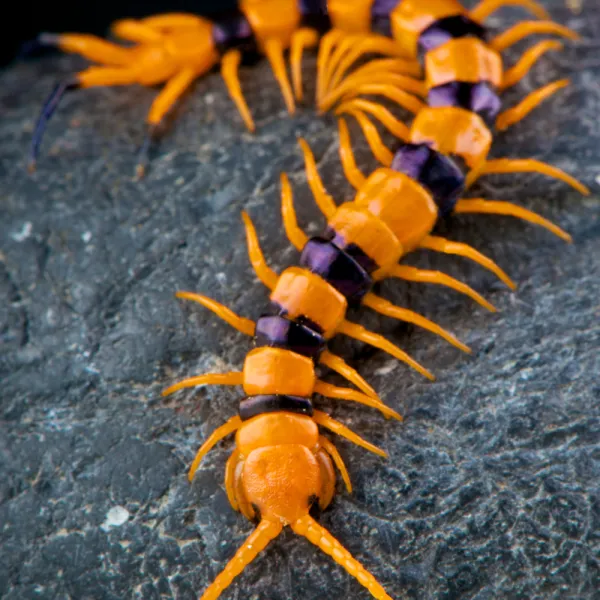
column 279, row 472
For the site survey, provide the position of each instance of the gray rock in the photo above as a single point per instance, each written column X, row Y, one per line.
column 491, row 486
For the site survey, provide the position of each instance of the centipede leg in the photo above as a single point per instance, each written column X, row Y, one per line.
column 326, row 421
column 388, row 309
column 242, row 324
column 175, row 20
column 325, row 47
column 524, row 165
column 47, row 111
column 229, row 71
column 365, row 45
column 518, row 113
column 526, row 28
column 229, row 427
column 257, row 259
column 440, row 244
column 89, row 46
column 93, row 76
column 379, row 149
column 389, row 91
column 422, row 276
column 382, row 114
column 331, row 391
column 330, row 448
column 135, row 31
column 303, row 38
column 351, row 171
column 257, row 541
column 172, row 91
column 339, row 365
column 348, row 88
column 358, row 332
column 324, row 201
column 320, row 537
column 295, row 235
column 231, row 378
column 274, row 53
column 496, row 207
column 486, row 7
column 513, row 75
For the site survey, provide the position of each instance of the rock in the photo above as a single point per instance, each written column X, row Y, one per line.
column 491, row 486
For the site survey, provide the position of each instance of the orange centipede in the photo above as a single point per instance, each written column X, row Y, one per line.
column 177, row 48
column 455, row 107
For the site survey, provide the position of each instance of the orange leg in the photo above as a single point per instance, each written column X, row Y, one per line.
column 101, row 76
column 169, row 21
column 303, row 38
column 337, row 459
column 339, row 365
column 347, row 89
column 257, row 258
column 135, row 31
column 342, row 48
column 91, row 47
column 307, row 527
column 486, row 7
column 388, row 309
column 172, row 91
column 215, row 437
column 359, row 46
column 422, row 276
column 529, row 58
column 274, row 53
column 230, row 467
column 440, row 244
column 324, row 201
column 295, row 235
column 495, row 207
column 231, row 378
column 351, row 171
column 517, row 113
column 257, row 541
column 382, row 114
column 240, row 323
column 526, row 28
column 331, row 391
column 524, row 165
column 229, row 71
column 400, row 97
column 323, row 419
column 380, row 151
column 327, row 44
column 358, row 332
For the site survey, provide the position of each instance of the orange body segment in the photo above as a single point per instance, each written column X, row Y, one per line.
column 278, row 371
column 359, row 226
column 282, row 481
column 464, row 59
column 303, row 294
column 411, row 17
column 453, row 130
column 272, row 19
column 401, row 203
column 350, row 17
column 273, row 429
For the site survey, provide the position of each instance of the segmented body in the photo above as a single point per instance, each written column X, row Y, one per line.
column 446, row 148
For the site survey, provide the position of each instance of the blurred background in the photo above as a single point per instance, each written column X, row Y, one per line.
column 24, row 20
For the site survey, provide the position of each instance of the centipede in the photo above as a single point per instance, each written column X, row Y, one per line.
column 282, row 466
column 456, row 106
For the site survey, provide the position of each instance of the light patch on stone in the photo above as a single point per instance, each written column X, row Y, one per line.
column 115, row 517
column 23, row 234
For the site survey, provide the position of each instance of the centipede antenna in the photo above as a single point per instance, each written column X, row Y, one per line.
column 48, row 109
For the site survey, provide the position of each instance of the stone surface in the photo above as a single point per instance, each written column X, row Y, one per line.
column 491, row 487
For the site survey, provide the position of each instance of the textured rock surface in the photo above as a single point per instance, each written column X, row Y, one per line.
column 491, row 487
